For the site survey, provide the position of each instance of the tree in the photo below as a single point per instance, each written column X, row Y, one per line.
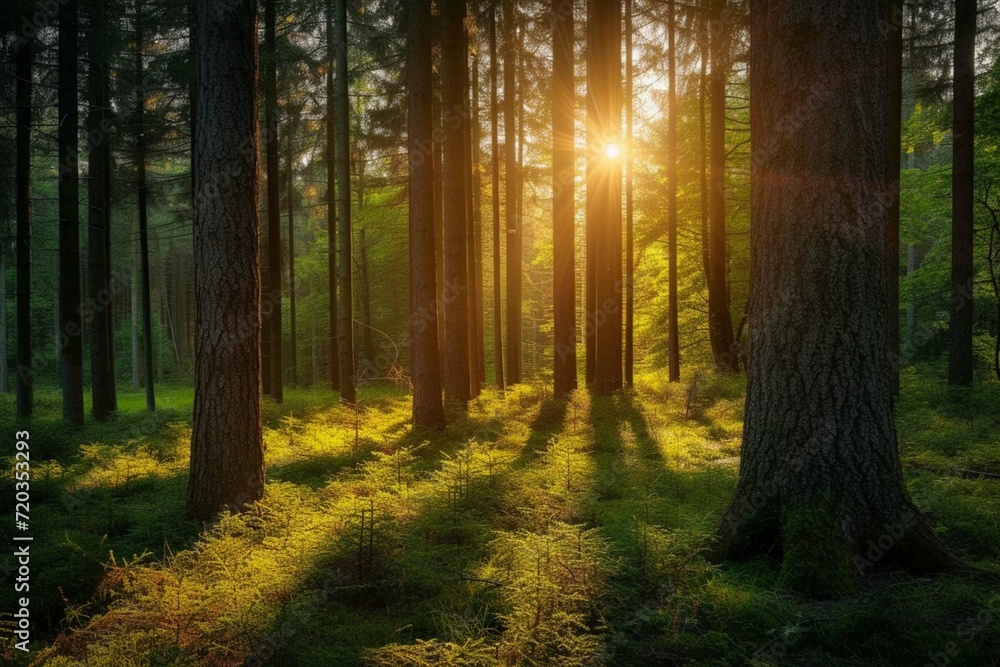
column 820, row 473
column 348, row 379
column 22, row 188
column 495, row 173
column 331, row 207
column 70, row 324
column 143, row 197
column 102, row 349
column 894, row 44
column 514, row 236
column 960, row 357
column 456, row 265
column 424, row 362
column 720, row 321
column 272, row 298
column 227, row 454
column 563, row 181
column 673, row 332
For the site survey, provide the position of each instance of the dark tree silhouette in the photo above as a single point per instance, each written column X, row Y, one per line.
column 331, row 198
column 22, row 177
column 348, row 379
column 495, row 173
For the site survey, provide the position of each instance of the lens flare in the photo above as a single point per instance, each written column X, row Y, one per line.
column 612, row 151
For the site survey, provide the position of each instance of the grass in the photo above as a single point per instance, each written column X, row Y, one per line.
column 531, row 532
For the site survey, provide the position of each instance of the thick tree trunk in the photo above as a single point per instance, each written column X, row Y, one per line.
column 563, row 185
column 141, row 193
column 227, row 455
column 22, row 176
column 673, row 331
column 456, row 265
column 102, row 373
column 511, row 177
column 629, row 226
column 720, row 321
column 70, row 325
column 894, row 43
column 820, row 478
column 331, row 207
column 960, row 357
column 348, row 378
column 424, row 363
column 272, row 299
column 498, row 349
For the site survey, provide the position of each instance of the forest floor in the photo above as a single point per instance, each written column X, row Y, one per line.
column 532, row 532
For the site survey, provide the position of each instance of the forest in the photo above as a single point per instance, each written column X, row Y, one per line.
column 499, row 333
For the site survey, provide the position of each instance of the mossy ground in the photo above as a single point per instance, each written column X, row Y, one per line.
column 532, row 532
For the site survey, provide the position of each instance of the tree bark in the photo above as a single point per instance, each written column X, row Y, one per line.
column 456, row 265
column 820, row 478
column 293, row 339
column 272, row 299
column 331, row 207
column 673, row 331
column 102, row 373
column 629, row 201
column 514, row 239
column 424, row 362
column 498, row 370
column 720, row 321
column 470, row 219
column 227, row 454
column 22, row 176
column 348, row 378
column 960, row 357
column 70, row 324
column 141, row 192
column 477, row 227
column 563, row 186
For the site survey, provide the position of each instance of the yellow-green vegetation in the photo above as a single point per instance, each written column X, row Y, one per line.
column 532, row 532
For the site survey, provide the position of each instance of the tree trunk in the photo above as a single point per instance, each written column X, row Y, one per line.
column 894, row 44
column 293, row 342
column 438, row 190
column 424, row 363
column 673, row 331
column 703, row 148
column 511, row 178
column 720, row 322
column 22, row 176
column 911, row 266
column 820, row 478
column 456, row 267
column 141, row 192
column 960, row 358
column 477, row 227
column 134, row 290
column 70, row 325
column 227, row 454
column 470, row 239
column 563, row 186
column 102, row 375
column 272, row 300
column 495, row 169
column 629, row 226
column 590, row 263
column 366, row 302
column 348, row 379
column 331, row 208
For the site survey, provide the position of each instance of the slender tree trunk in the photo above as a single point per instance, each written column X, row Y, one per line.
column 960, row 357
column 140, row 160
column 911, row 266
column 563, row 186
column 366, row 301
column 102, row 374
column 456, row 268
column 272, row 300
column 511, row 178
column 495, row 173
column 22, row 176
column 438, row 190
column 820, row 477
column 703, row 149
column 470, row 239
column 477, row 226
column 629, row 231
column 70, row 325
column 136, row 381
column 593, row 155
column 673, row 331
column 293, row 347
column 720, row 320
column 331, row 207
column 894, row 43
column 348, row 379
column 424, row 363
column 227, row 454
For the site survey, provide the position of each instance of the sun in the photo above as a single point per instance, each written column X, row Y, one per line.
column 612, row 150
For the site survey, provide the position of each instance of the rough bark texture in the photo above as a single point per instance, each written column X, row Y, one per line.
column 514, row 240
column 820, row 477
column 227, row 454
column 498, row 370
column 70, row 325
column 720, row 321
column 331, row 204
column 272, row 299
column 100, row 308
column 894, row 43
column 348, row 375
column 604, row 175
column 424, row 362
column 456, row 265
column 563, row 182
column 960, row 357
column 22, row 177
column 673, row 331
column 141, row 193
